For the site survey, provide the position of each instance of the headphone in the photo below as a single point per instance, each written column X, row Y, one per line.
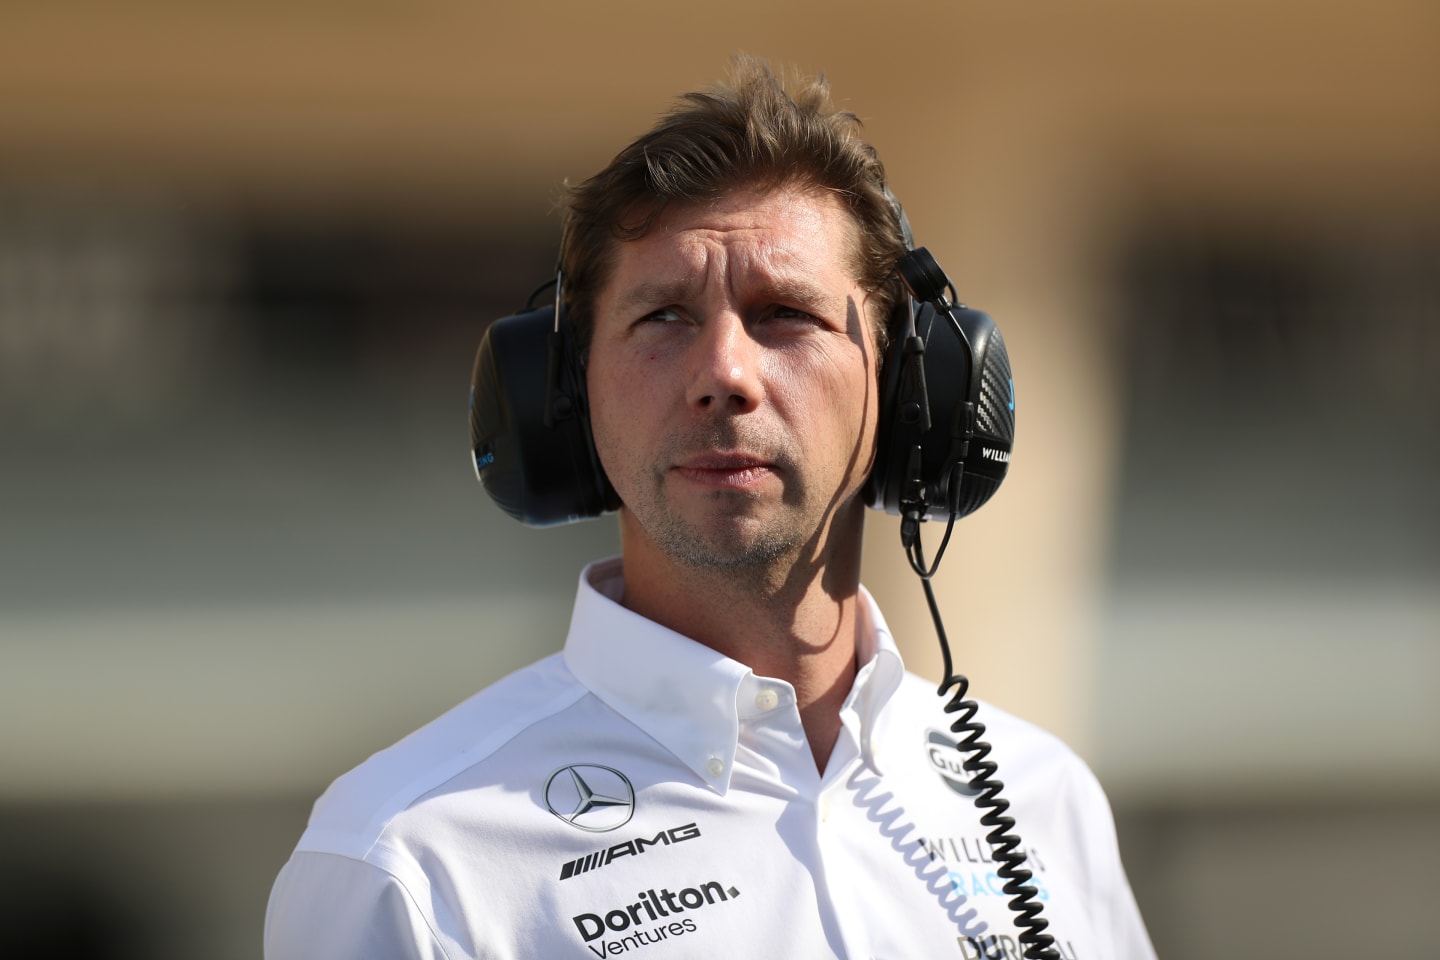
column 946, row 426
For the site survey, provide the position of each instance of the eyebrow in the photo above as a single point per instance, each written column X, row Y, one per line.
column 655, row 293
column 785, row 288
column 798, row 290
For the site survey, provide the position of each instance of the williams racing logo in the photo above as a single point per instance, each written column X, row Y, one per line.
column 590, row 797
column 627, row 848
column 654, row 917
column 947, row 760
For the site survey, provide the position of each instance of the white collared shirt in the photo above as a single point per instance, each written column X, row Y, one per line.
column 641, row 795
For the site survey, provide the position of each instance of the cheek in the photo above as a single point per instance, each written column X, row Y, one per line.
column 842, row 388
column 860, row 398
column 805, row 377
column 602, row 406
column 622, row 406
column 832, row 409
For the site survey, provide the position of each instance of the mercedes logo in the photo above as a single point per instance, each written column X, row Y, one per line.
column 590, row 797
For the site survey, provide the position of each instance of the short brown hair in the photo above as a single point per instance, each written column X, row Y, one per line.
column 746, row 131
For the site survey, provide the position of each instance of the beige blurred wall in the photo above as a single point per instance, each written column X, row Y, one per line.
column 1022, row 137
column 1270, row 749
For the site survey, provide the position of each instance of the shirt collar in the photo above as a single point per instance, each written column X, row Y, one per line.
column 881, row 670
column 684, row 694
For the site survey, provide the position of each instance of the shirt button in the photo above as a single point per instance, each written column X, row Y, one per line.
column 767, row 699
column 715, row 767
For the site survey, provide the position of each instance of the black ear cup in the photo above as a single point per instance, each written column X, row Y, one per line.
column 989, row 456
column 945, row 434
column 530, row 424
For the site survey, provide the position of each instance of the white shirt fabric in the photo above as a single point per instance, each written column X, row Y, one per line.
column 640, row 795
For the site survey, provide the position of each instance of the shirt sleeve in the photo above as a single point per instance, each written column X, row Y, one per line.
column 1132, row 940
column 329, row 907
column 1120, row 916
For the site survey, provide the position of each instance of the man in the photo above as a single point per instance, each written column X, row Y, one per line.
column 728, row 758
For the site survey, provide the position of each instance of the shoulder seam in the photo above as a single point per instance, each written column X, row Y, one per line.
column 405, row 796
column 359, row 843
column 399, row 881
column 420, row 909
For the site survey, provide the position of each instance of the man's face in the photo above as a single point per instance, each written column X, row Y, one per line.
column 732, row 380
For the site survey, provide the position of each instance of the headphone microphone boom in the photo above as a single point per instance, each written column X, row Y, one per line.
column 944, row 439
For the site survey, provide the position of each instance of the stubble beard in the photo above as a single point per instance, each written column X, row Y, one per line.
column 742, row 544
column 730, row 535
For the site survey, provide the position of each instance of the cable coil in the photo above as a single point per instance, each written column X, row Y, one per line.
column 1004, row 842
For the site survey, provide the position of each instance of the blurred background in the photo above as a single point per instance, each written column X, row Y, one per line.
column 247, row 250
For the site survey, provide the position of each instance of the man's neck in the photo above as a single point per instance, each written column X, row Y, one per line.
column 794, row 621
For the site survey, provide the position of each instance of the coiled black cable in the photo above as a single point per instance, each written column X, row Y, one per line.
column 1005, row 843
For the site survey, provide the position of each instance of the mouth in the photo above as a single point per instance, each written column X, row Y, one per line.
column 725, row 471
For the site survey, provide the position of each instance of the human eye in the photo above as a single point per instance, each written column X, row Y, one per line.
column 665, row 315
column 793, row 316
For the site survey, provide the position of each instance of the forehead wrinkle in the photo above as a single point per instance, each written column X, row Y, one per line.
column 694, row 261
column 746, row 257
column 781, row 275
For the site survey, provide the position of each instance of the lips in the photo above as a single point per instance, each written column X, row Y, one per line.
column 725, row 470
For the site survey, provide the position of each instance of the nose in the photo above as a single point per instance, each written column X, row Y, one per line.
column 724, row 367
